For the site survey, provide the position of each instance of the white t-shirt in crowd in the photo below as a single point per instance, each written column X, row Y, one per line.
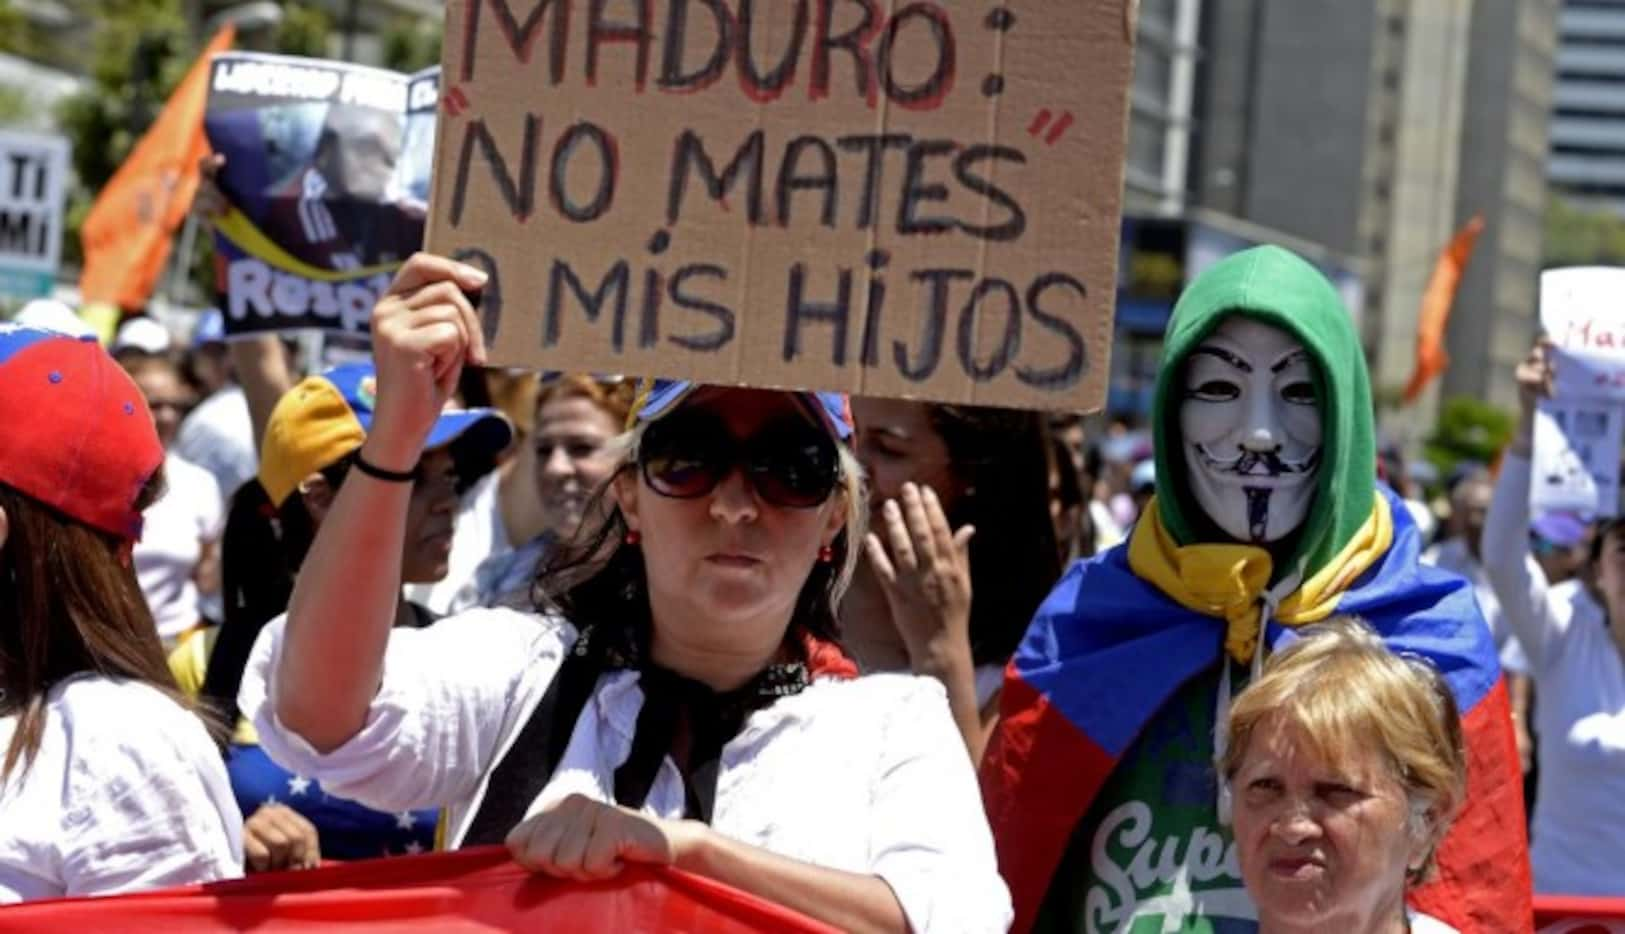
column 1453, row 556
column 127, row 793
column 219, row 437
column 478, row 536
column 867, row 775
column 1577, row 844
column 175, row 531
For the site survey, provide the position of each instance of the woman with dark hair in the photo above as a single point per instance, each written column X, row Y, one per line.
column 1069, row 506
column 108, row 782
column 976, row 481
column 306, row 458
column 678, row 700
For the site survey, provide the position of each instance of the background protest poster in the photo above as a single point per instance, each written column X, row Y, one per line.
column 33, row 186
column 327, row 167
column 1580, row 431
column 916, row 199
column 1576, row 465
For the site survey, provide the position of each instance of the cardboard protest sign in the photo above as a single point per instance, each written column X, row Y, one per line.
column 911, row 199
column 33, row 181
column 1579, row 432
column 327, row 166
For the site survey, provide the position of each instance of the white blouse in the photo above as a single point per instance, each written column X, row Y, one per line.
column 127, row 793
column 867, row 775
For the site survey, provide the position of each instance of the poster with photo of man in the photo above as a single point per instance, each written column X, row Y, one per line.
column 327, row 170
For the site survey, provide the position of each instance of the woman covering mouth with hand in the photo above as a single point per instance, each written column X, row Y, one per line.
column 677, row 698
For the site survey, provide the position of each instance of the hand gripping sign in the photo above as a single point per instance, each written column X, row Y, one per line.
column 910, row 199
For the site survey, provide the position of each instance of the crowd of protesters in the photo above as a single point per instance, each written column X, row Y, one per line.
column 258, row 623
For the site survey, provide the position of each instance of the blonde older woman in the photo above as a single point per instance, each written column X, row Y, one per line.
column 1345, row 764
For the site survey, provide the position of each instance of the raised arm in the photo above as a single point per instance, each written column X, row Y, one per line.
column 261, row 365
column 263, row 372
column 1519, row 583
column 344, row 603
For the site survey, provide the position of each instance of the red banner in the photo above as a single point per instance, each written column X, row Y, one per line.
column 470, row 890
column 1568, row 914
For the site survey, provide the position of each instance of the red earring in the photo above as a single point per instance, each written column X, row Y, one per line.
column 633, row 537
column 826, row 554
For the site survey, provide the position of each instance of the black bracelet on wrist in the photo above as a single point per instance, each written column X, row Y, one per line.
column 379, row 473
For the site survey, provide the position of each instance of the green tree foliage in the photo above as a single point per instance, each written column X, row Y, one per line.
column 1469, row 429
column 14, row 107
column 1577, row 235
column 14, row 30
column 142, row 49
column 303, row 31
column 411, row 44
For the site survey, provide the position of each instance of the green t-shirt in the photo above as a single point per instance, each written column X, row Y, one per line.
column 1150, row 856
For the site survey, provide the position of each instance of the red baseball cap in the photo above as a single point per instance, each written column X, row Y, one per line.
column 75, row 433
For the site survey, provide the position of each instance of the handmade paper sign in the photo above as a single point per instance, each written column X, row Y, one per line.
column 1579, row 431
column 905, row 199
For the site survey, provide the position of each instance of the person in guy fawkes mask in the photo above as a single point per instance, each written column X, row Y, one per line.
column 1100, row 782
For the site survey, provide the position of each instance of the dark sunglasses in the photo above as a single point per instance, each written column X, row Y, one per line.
column 789, row 463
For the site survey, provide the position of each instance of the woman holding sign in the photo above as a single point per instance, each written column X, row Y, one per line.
column 680, row 700
column 1575, row 646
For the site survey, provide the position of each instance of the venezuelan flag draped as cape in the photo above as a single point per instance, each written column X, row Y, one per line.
column 1107, row 649
column 1125, row 631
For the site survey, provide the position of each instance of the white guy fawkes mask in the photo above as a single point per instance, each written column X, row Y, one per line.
column 1251, row 428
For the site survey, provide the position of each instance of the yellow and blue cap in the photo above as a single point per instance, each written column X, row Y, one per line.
column 324, row 418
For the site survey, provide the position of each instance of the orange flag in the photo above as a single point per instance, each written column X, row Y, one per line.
column 127, row 235
column 1437, row 299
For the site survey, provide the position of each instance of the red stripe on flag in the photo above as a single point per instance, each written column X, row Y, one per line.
column 1483, row 883
column 1039, row 776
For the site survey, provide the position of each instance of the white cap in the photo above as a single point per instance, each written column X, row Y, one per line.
column 142, row 334
column 52, row 315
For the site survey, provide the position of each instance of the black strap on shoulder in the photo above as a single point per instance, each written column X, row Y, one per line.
column 535, row 753
column 671, row 703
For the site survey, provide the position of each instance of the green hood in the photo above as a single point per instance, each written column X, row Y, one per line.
column 1276, row 287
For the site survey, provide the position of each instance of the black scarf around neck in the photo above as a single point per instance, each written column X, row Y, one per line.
column 670, row 702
